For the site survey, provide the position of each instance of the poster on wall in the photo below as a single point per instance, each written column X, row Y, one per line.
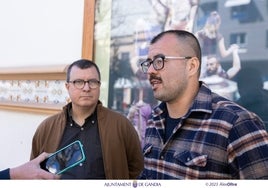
column 234, row 39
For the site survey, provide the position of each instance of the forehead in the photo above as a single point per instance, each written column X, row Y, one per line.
column 90, row 72
column 166, row 45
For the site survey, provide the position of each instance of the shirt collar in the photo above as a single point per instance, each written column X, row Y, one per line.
column 92, row 116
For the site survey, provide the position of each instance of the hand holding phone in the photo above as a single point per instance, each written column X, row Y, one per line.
column 64, row 159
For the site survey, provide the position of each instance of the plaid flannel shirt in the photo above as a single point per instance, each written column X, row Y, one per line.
column 216, row 139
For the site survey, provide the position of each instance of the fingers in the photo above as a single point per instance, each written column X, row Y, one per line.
column 41, row 157
column 47, row 175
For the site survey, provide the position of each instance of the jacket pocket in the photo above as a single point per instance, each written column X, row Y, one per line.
column 190, row 158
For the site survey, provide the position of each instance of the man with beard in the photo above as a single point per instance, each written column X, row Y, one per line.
column 195, row 133
column 214, row 66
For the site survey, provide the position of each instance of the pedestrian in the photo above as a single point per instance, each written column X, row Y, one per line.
column 195, row 133
column 111, row 144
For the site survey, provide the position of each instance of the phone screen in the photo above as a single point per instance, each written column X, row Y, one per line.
column 64, row 159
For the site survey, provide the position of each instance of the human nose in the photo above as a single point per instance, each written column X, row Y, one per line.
column 86, row 87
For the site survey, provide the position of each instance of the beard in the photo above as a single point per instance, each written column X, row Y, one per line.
column 170, row 93
column 211, row 72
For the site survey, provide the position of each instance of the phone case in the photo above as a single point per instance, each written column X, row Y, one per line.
column 65, row 158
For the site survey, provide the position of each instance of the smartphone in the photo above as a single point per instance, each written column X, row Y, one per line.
column 64, row 159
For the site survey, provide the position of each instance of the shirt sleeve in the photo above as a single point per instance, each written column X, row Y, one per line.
column 248, row 149
column 4, row 174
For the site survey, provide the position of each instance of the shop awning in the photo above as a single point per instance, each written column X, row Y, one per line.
column 232, row 3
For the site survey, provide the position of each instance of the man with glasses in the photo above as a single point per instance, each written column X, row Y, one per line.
column 194, row 133
column 111, row 144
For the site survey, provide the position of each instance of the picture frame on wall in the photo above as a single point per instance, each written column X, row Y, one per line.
column 123, row 33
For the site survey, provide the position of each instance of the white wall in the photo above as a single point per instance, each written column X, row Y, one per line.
column 16, row 134
column 40, row 32
column 34, row 32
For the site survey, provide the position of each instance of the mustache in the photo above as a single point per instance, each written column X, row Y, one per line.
column 154, row 77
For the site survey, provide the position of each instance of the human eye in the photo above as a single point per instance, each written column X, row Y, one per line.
column 78, row 82
column 94, row 81
column 158, row 62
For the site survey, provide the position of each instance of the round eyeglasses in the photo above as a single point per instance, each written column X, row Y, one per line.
column 80, row 84
column 158, row 62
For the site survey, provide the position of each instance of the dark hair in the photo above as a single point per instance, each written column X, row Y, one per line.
column 82, row 64
column 218, row 58
column 186, row 37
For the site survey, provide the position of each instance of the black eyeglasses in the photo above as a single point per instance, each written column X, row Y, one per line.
column 158, row 62
column 80, row 84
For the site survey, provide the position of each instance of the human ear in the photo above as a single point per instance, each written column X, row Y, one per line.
column 193, row 65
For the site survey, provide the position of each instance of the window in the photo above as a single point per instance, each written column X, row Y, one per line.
column 239, row 12
column 246, row 13
column 238, row 38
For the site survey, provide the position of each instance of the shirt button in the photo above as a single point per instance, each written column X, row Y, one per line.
column 188, row 159
column 162, row 157
column 80, row 164
column 82, row 128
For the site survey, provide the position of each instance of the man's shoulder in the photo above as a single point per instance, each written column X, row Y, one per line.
column 60, row 114
column 55, row 119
